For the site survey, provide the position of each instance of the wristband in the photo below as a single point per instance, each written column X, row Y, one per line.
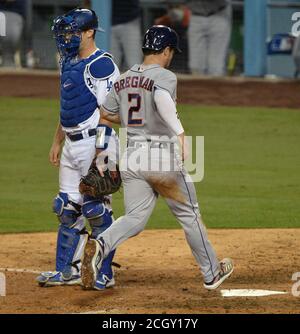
column 102, row 136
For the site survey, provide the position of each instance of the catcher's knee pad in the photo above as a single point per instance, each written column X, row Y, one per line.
column 66, row 210
column 70, row 245
column 97, row 214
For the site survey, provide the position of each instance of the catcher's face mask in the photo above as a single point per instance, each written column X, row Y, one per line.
column 67, row 36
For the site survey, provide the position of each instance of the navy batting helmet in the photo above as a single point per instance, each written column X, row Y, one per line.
column 159, row 37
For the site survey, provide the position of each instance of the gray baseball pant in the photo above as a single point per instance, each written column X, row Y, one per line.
column 140, row 199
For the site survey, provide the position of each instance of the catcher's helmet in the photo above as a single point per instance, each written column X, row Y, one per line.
column 159, row 37
column 67, row 30
column 84, row 19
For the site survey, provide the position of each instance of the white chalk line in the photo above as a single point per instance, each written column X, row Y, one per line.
column 250, row 293
column 21, row 270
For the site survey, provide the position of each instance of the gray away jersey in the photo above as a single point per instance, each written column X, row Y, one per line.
column 132, row 97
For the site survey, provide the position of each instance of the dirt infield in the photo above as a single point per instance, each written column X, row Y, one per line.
column 159, row 275
column 191, row 90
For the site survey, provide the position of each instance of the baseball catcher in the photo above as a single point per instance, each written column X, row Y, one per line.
column 87, row 75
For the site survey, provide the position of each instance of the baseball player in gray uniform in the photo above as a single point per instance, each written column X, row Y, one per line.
column 143, row 100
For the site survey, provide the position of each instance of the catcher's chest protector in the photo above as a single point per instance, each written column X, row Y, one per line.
column 77, row 102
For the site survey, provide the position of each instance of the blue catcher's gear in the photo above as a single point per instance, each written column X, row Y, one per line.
column 100, row 218
column 53, row 278
column 66, row 211
column 102, row 68
column 71, row 236
column 67, row 36
column 67, row 30
column 94, row 211
column 77, row 101
column 98, row 215
column 70, row 243
column 159, row 37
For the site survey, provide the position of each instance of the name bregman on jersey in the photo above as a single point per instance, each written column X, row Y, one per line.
column 134, row 82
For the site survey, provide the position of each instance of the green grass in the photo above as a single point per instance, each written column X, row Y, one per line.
column 252, row 166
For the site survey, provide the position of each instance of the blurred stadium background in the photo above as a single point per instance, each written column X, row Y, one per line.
column 255, row 24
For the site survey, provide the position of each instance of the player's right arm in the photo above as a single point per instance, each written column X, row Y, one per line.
column 167, row 110
column 106, row 117
column 58, row 139
column 183, row 146
column 109, row 116
column 110, row 109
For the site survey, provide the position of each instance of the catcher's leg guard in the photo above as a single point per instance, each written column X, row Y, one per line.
column 71, row 240
column 70, row 244
column 94, row 211
column 100, row 218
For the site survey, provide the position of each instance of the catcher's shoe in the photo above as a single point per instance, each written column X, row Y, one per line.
column 54, row 278
column 226, row 269
column 104, row 281
column 91, row 263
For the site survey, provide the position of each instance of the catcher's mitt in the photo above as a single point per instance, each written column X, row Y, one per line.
column 93, row 184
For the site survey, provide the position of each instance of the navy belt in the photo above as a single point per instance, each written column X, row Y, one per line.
column 79, row 136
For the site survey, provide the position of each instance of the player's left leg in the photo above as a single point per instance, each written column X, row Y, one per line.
column 71, row 231
column 99, row 215
column 67, row 205
column 188, row 215
column 71, row 239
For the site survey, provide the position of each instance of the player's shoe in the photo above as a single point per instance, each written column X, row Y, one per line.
column 104, row 281
column 55, row 278
column 91, row 263
column 226, row 269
